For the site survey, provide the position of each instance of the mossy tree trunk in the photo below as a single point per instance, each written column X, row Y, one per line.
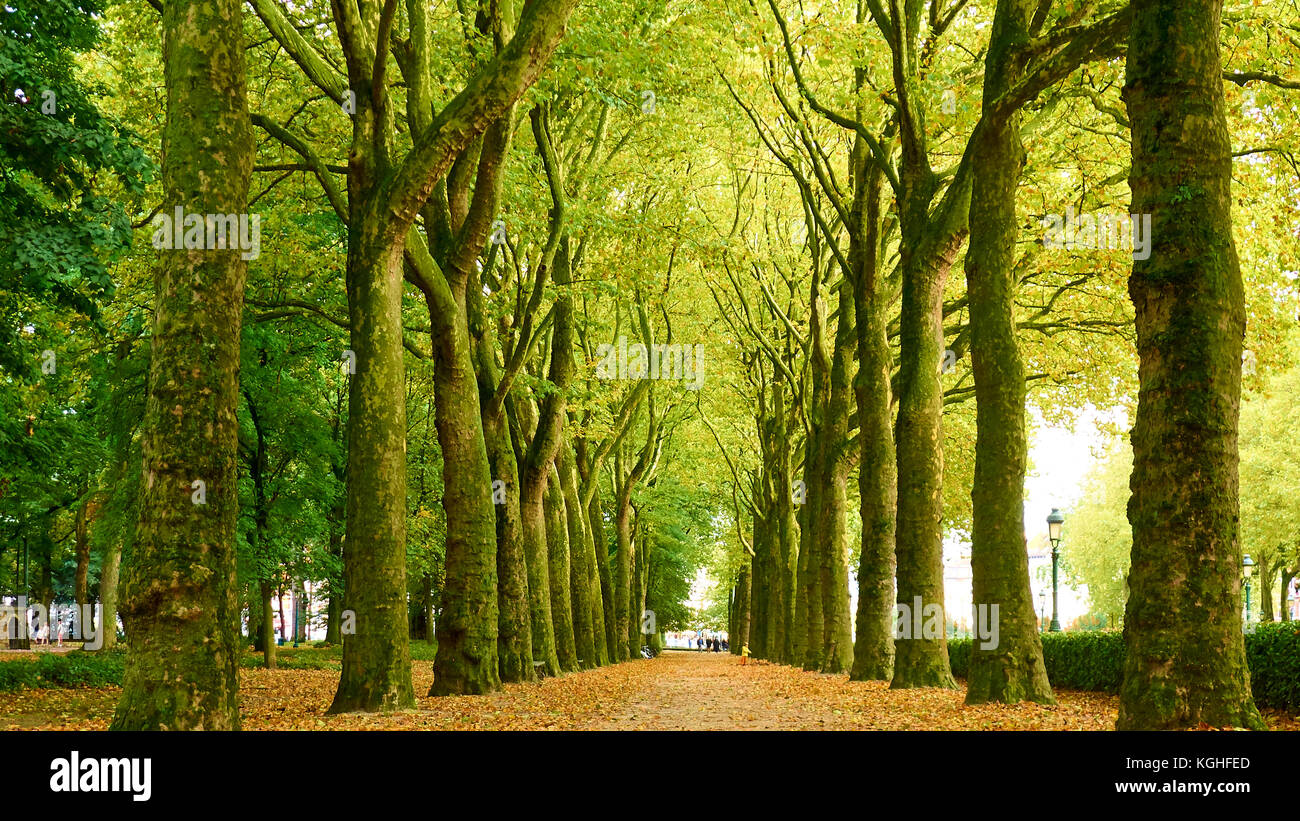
column 1012, row 670
column 376, row 658
column 873, row 649
column 837, row 624
column 596, row 518
column 514, row 629
column 740, row 637
column 818, row 479
column 109, row 566
column 179, row 597
column 560, row 565
column 759, row 594
column 584, row 580
column 81, row 579
column 1185, row 661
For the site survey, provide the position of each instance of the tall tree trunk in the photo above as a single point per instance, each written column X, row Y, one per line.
column 1287, row 576
column 266, row 593
column 584, row 582
column 740, row 637
column 873, row 649
column 760, row 595
column 774, row 587
column 1269, row 568
column 800, row 626
column 466, row 662
column 253, row 597
column 837, row 626
column 533, row 520
column 623, row 574
column 1011, row 669
column 334, row 586
column 109, row 566
column 635, row 601
column 921, row 661
column 1185, row 661
column 81, row 581
column 514, row 630
column 179, row 599
column 817, row 476
column 536, row 467
column 596, row 519
column 559, row 564
column 376, row 658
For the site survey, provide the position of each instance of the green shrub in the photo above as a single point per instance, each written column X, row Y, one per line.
column 1090, row 660
column 1094, row 660
column 299, row 658
column 1273, row 655
column 77, row 668
column 423, row 650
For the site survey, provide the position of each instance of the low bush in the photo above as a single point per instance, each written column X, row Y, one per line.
column 1094, row 660
column 76, row 668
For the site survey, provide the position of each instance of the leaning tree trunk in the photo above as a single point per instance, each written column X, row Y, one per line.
column 179, row 600
column 1011, row 669
column 1185, row 662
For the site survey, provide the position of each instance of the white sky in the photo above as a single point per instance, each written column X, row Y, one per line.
column 1060, row 458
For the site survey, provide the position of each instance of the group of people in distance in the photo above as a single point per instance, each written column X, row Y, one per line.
column 712, row 644
column 41, row 634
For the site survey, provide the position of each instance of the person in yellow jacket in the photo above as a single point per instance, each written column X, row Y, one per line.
column 744, row 654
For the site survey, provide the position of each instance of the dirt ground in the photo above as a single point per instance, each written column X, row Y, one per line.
column 676, row 691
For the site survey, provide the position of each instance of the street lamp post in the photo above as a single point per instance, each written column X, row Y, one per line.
column 1247, row 567
column 1054, row 522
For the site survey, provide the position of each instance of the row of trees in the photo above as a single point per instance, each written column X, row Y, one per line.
column 558, row 532
column 507, row 193
column 882, row 322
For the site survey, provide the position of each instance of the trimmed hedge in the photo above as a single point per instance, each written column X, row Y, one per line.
column 85, row 668
column 76, row 668
column 1095, row 661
